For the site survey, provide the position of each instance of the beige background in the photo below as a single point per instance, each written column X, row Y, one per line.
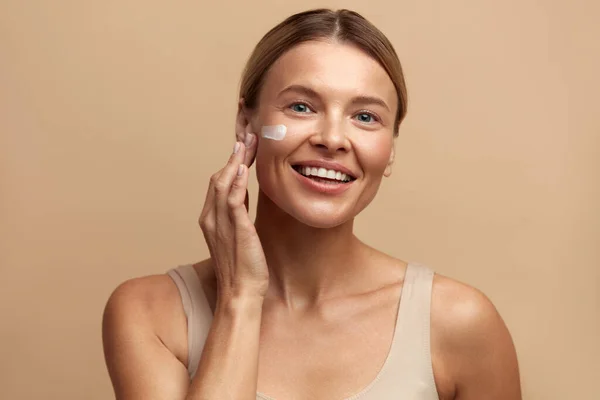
column 113, row 114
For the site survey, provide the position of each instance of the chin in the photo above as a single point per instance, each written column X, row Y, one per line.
column 319, row 219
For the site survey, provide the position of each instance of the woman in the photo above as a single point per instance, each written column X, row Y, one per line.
column 294, row 306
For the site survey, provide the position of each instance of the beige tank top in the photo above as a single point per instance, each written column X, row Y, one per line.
column 407, row 372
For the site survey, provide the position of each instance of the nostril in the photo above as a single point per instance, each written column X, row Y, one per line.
column 330, row 148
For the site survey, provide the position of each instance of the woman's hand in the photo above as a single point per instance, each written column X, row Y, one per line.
column 236, row 251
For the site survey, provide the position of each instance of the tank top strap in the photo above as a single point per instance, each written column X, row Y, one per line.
column 197, row 311
column 412, row 345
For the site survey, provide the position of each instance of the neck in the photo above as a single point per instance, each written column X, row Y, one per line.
column 306, row 264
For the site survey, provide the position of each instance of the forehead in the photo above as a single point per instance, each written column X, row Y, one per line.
column 333, row 67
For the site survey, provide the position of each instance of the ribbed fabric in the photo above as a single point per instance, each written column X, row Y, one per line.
column 407, row 372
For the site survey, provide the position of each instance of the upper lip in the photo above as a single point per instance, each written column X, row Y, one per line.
column 327, row 165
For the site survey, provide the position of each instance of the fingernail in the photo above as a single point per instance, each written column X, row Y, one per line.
column 249, row 139
column 236, row 147
column 240, row 170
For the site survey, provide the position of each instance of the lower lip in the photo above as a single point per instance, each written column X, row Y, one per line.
column 325, row 188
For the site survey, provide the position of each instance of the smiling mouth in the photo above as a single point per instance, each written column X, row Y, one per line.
column 323, row 175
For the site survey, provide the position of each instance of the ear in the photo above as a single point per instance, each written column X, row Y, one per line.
column 388, row 168
column 243, row 123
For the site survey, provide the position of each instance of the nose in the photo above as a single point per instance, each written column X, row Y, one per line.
column 331, row 136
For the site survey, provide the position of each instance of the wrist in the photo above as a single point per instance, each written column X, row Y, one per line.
column 245, row 303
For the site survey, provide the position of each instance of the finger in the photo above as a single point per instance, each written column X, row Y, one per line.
column 225, row 180
column 209, row 201
column 251, row 145
column 247, row 201
column 228, row 173
column 237, row 195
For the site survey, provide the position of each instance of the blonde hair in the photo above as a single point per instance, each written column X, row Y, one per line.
column 344, row 26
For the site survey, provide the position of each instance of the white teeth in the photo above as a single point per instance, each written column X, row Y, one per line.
column 324, row 173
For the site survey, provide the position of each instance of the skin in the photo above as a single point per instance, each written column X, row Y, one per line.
column 320, row 276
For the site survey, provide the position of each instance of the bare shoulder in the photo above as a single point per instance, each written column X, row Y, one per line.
column 458, row 307
column 471, row 343
column 148, row 305
column 144, row 337
column 145, row 292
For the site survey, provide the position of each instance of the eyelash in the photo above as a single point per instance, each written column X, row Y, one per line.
column 300, row 103
column 371, row 114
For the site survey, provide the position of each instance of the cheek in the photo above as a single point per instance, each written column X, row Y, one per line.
column 296, row 133
column 271, row 156
column 266, row 172
column 266, row 153
column 374, row 154
column 269, row 150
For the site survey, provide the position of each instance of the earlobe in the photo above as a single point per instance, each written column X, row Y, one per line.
column 388, row 171
column 388, row 168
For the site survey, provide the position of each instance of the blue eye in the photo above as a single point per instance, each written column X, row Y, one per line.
column 300, row 108
column 365, row 118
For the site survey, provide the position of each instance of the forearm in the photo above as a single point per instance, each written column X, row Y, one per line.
column 228, row 367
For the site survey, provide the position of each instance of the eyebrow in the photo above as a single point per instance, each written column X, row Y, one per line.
column 309, row 92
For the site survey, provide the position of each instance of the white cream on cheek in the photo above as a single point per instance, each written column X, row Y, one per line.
column 273, row 132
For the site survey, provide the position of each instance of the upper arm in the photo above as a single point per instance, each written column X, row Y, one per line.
column 139, row 364
column 477, row 346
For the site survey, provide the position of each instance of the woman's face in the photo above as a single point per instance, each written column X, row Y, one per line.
column 339, row 107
